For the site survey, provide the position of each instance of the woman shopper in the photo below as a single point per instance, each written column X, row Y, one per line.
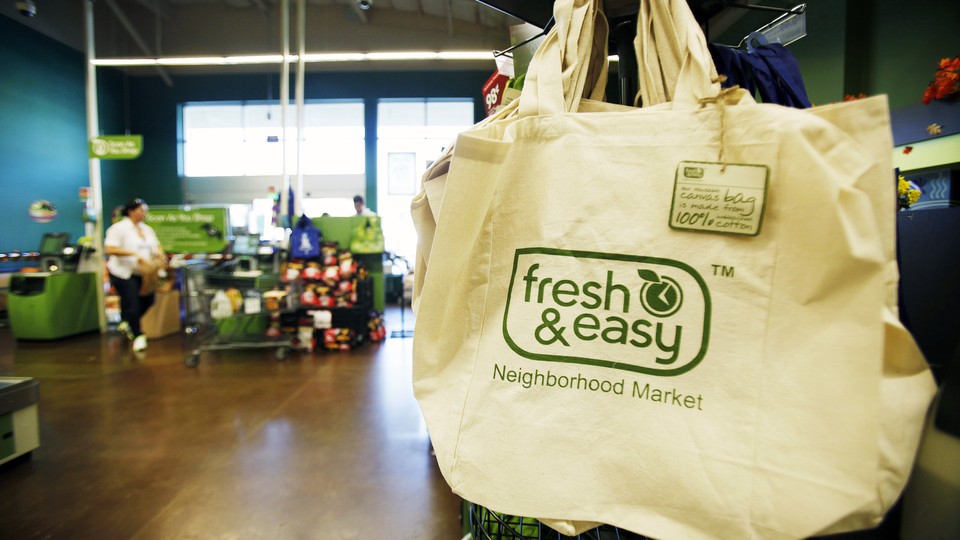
column 134, row 252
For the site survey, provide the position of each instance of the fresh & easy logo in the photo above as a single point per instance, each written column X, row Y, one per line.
column 635, row 313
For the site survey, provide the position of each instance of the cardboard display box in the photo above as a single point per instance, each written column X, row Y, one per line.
column 163, row 317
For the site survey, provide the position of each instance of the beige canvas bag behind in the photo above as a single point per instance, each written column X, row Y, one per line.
column 584, row 79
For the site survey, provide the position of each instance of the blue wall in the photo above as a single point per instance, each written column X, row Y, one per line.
column 42, row 149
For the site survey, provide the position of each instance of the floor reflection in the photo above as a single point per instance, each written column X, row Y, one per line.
column 324, row 445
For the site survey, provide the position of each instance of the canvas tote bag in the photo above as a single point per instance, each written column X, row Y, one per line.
column 733, row 388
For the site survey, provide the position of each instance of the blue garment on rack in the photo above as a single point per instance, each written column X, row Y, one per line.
column 729, row 63
column 785, row 73
column 769, row 70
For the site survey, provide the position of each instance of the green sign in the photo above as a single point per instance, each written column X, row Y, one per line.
column 190, row 230
column 116, row 146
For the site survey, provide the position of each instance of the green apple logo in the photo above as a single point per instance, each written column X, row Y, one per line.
column 660, row 295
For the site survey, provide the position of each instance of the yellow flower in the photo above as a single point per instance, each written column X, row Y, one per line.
column 906, row 194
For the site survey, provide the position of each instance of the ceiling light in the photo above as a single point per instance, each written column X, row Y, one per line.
column 333, row 57
column 309, row 58
column 411, row 55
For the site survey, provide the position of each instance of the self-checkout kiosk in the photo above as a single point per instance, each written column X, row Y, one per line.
column 55, row 253
column 59, row 300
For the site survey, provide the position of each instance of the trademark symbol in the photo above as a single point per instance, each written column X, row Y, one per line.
column 723, row 271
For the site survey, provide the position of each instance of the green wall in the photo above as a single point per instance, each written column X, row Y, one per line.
column 897, row 45
column 873, row 47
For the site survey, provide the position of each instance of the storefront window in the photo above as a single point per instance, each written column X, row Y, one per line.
column 246, row 139
column 410, row 135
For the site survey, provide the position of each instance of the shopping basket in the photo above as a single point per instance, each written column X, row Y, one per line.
column 486, row 524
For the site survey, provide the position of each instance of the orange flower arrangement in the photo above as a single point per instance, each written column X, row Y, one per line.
column 946, row 81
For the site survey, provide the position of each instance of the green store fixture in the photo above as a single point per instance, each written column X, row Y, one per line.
column 51, row 305
column 341, row 230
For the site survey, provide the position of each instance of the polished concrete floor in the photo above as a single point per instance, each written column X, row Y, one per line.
column 324, row 445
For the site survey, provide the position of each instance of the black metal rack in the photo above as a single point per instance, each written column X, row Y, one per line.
column 622, row 17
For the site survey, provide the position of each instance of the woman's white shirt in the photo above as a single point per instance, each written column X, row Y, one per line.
column 123, row 234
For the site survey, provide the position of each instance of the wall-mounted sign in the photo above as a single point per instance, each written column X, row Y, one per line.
column 402, row 173
column 190, row 230
column 116, row 146
column 42, row 211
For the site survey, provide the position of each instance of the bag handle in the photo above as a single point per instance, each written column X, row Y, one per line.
column 304, row 222
column 674, row 64
column 571, row 58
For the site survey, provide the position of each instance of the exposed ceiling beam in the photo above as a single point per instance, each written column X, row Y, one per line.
column 449, row 6
column 122, row 17
column 158, row 8
column 261, row 6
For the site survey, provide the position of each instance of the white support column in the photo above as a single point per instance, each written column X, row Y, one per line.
column 95, row 229
column 301, row 63
column 285, row 101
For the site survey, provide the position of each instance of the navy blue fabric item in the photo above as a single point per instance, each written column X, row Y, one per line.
column 765, row 81
column 769, row 70
column 784, row 66
column 290, row 207
column 729, row 63
column 305, row 239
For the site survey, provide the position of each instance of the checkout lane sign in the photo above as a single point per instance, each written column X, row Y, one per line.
column 116, row 146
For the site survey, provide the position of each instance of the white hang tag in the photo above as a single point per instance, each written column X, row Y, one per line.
column 713, row 198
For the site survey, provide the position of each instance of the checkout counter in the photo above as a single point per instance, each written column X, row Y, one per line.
column 58, row 301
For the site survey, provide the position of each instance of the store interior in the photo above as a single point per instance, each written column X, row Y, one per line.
column 275, row 398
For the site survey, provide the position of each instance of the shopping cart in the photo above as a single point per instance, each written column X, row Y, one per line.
column 486, row 524
column 249, row 322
